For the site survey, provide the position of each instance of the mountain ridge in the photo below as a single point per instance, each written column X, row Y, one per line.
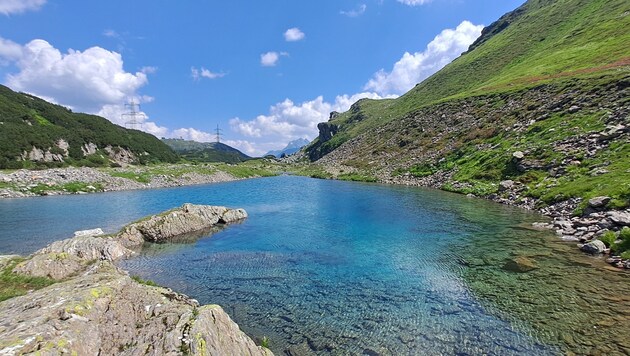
column 36, row 133
column 206, row 151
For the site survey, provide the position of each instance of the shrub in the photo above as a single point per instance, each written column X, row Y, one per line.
column 624, row 244
column 608, row 238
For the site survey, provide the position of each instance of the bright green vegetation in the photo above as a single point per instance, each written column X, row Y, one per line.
column 27, row 121
column 252, row 168
column 72, row 187
column 623, row 246
column 264, row 342
column 146, row 282
column 205, row 151
column 608, row 238
column 309, row 170
column 356, row 177
column 13, row 284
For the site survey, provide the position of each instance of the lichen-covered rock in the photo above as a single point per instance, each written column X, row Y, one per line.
column 103, row 311
column 187, row 219
column 52, row 265
column 64, row 258
column 91, row 232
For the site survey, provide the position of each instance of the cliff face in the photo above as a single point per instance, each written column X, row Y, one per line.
column 96, row 308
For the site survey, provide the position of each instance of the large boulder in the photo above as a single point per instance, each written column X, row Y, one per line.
column 64, row 258
column 187, row 219
column 105, row 312
column 620, row 217
column 594, row 247
column 598, row 202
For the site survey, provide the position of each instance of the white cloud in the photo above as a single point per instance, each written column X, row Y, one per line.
column 287, row 121
column 198, row 73
column 193, row 134
column 414, row 68
column 9, row 51
column 356, row 12
column 270, row 59
column 414, row 2
column 294, row 34
column 85, row 81
column 9, row 7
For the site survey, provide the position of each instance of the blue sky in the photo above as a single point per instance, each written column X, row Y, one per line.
column 265, row 71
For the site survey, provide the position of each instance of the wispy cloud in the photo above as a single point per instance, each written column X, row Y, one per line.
column 9, row 7
column 198, row 73
column 356, row 12
column 414, row 2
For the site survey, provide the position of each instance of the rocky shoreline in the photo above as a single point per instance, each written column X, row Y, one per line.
column 57, row 181
column 92, row 307
column 585, row 230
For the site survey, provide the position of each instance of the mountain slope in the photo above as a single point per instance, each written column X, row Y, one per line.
column 33, row 130
column 542, row 100
column 206, row 151
column 291, row 148
column 540, row 42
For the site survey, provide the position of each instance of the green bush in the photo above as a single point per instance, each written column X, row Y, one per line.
column 608, row 238
column 624, row 244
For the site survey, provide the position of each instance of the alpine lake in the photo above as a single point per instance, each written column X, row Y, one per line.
column 332, row 267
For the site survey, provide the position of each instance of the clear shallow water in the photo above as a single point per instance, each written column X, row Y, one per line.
column 347, row 268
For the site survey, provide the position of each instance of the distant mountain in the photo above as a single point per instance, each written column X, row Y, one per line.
column 35, row 133
column 205, row 151
column 291, row 148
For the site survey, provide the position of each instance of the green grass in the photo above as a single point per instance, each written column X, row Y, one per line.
column 72, row 187
column 146, row 282
column 357, row 177
column 13, row 284
column 251, row 168
column 138, row 177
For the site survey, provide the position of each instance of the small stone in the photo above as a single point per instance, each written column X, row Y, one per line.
column 518, row 155
column 573, row 109
column 505, row 185
column 598, row 202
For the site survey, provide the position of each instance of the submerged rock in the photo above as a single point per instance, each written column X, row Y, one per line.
column 520, row 264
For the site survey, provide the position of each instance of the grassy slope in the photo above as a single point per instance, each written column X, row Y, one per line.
column 545, row 41
column 28, row 121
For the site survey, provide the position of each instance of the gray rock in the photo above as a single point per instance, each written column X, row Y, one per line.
column 573, row 109
column 506, row 185
column 598, row 202
column 105, row 312
column 64, row 258
column 594, row 247
column 620, row 217
column 91, row 232
column 185, row 220
column 518, row 155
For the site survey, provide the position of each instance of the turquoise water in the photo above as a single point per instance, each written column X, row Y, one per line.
column 333, row 267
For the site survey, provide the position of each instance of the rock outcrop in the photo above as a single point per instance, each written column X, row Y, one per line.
column 104, row 311
column 64, row 258
column 97, row 308
column 185, row 220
